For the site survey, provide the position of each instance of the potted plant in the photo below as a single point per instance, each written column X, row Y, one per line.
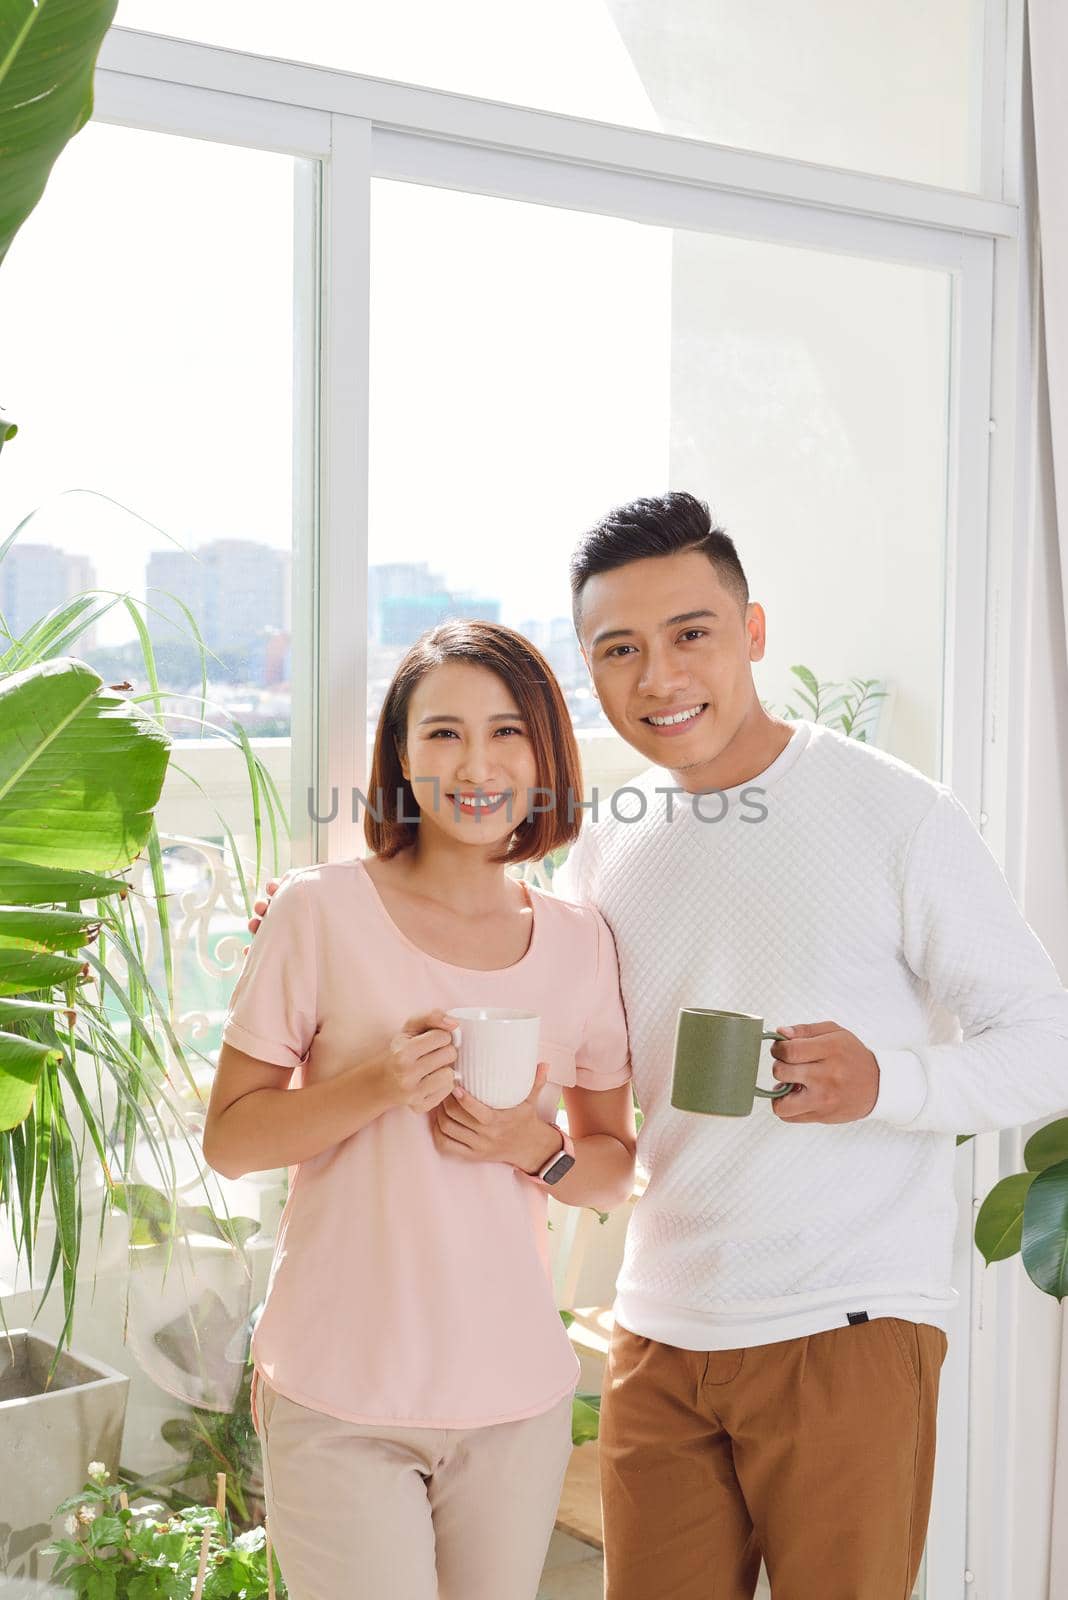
column 112, row 1551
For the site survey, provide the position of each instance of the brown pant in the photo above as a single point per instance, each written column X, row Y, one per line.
column 816, row 1453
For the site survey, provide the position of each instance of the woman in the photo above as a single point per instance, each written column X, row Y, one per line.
column 413, row 1379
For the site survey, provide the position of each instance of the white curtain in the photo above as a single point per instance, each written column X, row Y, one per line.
column 1048, row 22
column 1048, row 26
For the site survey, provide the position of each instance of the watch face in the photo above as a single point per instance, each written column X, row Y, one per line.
column 560, row 1167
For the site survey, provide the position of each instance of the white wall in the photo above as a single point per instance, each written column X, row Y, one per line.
column 809, row 406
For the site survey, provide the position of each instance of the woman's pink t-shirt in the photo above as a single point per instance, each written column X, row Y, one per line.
column 410, row 1287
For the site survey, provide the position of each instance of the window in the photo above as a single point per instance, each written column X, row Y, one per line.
column 540, row 365
column 876, row 88
column 147, row 328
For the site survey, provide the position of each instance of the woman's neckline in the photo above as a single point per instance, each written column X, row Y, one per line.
column 399, row 933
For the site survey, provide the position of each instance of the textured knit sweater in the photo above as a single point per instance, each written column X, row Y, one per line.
column 840, row 885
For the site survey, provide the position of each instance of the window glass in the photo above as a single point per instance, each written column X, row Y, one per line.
column 532, row 367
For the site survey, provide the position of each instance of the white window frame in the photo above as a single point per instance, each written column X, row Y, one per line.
column 358, row 128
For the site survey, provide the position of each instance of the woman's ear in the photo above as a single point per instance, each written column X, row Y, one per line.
column 402, row 757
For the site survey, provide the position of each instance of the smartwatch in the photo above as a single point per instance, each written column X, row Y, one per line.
column 558, row 1165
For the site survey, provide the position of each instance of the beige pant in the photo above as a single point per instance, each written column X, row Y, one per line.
column 363, row 1512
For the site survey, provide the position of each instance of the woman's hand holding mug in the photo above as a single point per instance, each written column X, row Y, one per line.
column 417, row 1067
column 462, row 1126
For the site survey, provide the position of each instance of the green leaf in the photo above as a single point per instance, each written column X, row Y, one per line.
column 201, row 1219
column 105, row 1530
column 962, row 1138
column 1000, row 1220
column 62, row 1547
column 567, row 1318
column 1045, row 1231
column 585, row 1419
column 22, row 883
column 21, row 1063
column 806, row 676
column 23, row 972
column 179, row 1433
column 48, row 50
column 91, row 1495
column 1047, row 1147
column 45, row 931
column 101, row 1583
column 144, row 1586
column 154, row 1220
column 80, row 769
column 33, row 1010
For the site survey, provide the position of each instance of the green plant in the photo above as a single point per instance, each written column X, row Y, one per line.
column 585, row 1408
column 80, row 773
column 850, row 707
column 81, row 770
column 1027, row 1212
column 48, row 49
column 213, row 1442
column 114, row 1552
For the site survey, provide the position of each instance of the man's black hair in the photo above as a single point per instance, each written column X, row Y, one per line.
column 663, row 526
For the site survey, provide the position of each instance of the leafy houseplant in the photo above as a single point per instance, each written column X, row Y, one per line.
column 1028, row 1212
column 850, row 707
column 113, row 1552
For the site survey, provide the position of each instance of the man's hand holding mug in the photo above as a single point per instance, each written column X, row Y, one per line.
column 836, row 1077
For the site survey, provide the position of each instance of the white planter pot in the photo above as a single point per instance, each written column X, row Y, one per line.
column 49, row 1433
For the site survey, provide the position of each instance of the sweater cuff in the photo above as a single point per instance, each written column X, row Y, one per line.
column 902, row 1087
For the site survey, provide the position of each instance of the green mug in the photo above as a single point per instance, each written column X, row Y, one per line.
column 717, row 1054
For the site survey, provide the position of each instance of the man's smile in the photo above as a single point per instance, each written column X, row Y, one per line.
column 669, row 724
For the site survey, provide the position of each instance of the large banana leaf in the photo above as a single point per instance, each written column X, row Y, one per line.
column 80, row 773
column 81, row 770
column 48, row 49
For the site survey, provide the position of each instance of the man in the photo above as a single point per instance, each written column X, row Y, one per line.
column 780, row 1323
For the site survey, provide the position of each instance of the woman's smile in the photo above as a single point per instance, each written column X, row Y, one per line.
column 480, row 803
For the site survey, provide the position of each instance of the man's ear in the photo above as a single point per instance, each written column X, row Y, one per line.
column 756, row 628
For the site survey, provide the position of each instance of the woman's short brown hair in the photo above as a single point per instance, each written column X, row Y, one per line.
column 540, row 702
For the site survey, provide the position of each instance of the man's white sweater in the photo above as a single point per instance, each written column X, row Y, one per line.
column 841, row 885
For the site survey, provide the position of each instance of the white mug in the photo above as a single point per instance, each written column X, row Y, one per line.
column 498, row 1053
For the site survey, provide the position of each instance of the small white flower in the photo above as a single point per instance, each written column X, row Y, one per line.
column 70, row 1527
column 98, row 1471
column 87, row 1513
